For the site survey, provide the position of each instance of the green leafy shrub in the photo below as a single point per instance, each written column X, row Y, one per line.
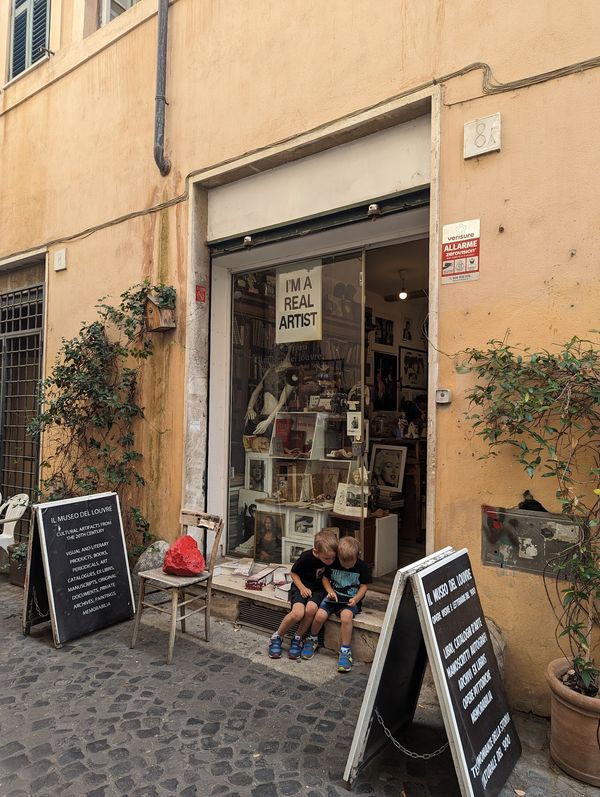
column 545, row 407
column 89, row 408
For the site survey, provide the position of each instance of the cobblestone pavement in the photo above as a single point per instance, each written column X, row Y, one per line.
column 96, row 718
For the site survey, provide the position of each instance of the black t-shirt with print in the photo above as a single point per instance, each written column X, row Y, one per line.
column 345, row 581
column 309, row 569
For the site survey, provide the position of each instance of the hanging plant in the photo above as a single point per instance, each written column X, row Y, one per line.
column 89, row 408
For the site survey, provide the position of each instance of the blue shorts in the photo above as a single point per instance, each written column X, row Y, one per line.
column 335, row 607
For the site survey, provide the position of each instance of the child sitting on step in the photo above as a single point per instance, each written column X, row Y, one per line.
column 306, row 593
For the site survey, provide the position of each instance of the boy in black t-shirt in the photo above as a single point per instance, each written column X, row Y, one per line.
column 345, row 583
column 306, row 593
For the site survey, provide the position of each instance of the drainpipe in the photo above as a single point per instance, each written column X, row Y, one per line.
column 161, row 81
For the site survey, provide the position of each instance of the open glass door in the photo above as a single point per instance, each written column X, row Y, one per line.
column 297, row 432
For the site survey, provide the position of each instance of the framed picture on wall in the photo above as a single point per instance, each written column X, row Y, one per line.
column 387, row 467
column 384, row 381
column 413, row 368
column 384, row 331
column 408, row 329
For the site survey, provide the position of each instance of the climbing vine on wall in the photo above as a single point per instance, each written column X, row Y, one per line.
column 89, row 408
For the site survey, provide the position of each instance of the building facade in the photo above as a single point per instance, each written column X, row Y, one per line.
column 306, row 138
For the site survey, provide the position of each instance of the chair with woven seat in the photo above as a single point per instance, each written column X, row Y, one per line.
column 188, row 594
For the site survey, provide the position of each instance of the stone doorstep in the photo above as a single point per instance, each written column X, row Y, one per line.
column 227, row 589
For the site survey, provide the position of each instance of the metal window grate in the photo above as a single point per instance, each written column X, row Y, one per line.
column 21, row 328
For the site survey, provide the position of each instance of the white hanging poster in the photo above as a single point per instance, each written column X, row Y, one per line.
column 460, row 251
column 298, row 304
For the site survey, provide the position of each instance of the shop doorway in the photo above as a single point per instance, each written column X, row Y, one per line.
column 396, row 371
column 291, row 457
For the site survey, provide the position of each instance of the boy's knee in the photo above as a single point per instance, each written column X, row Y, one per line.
column 321, row 615
column 311, row 609
column 297, row 611
column 346, row 617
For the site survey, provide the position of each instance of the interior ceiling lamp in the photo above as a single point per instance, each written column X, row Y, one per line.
column 403, row 294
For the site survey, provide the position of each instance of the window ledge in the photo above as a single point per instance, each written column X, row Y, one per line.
column 29, row 69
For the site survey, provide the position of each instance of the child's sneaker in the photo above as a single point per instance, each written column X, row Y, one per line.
column 296, row 646
column 311, row 644
column 345, row 659
column 275, row 647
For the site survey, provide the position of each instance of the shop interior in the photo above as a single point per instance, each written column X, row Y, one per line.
column 331, row 432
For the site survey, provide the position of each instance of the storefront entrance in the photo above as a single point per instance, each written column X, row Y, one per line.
column 323, row 370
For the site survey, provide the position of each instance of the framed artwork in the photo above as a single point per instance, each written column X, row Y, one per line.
column 387, row 467
column 269, row 528
column 408, row 329
column 384, row 331
column 292, row 550
column 257, row 476
column 247, row 508
column 303, row 525
column 413, row 368
column 385, row 381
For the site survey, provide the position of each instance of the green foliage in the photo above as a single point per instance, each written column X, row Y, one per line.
column 545, row 407
column 89, row 407
column 19, row 553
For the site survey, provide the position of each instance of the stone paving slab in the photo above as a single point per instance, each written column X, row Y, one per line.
column 96, row 718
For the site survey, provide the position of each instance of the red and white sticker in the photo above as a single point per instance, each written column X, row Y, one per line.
column 460, row 251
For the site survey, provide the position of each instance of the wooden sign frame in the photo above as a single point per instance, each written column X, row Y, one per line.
column 48, row 598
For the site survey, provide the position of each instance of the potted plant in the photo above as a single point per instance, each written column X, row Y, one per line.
column 545, row 407
column 17, row 558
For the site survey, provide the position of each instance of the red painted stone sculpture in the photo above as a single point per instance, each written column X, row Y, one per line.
column 184, row 558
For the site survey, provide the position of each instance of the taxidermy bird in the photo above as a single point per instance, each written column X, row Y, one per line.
column 530, row 504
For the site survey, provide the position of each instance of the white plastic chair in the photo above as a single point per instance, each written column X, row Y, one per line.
column 13, row 509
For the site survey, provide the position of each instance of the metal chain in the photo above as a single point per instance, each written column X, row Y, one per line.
column 403, row 749
column 37, row 607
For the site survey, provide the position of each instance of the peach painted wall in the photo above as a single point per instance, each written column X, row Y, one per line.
column 76, row 138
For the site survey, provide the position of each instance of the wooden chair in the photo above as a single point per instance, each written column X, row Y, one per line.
column 196, row 588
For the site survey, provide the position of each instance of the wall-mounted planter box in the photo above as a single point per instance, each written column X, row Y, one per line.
column 159, row 319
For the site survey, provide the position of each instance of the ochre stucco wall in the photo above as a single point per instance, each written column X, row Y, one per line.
column 76, row 137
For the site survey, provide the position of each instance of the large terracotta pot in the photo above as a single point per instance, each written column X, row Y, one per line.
column 574, row 727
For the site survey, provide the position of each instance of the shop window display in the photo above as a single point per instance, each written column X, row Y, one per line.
column 296, row 356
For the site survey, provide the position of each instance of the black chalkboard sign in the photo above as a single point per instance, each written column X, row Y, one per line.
column 81, row 545
column 434, row 613
column 483, row 738
column 396, row 672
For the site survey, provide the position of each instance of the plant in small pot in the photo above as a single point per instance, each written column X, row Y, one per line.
column 17, row 558
column 545, row 407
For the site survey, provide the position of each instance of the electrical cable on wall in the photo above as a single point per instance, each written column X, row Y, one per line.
column 489, row 87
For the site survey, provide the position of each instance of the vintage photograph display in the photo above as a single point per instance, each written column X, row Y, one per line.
column 248, row 501
column 387, row 467
column 413, row 368
column 257, row 474
column 269, row 529
column 303, row 525
column 385, row 382
column 292, row 550
column 350, row 500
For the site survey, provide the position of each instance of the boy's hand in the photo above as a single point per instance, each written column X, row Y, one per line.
column 331, row 595
column 305, row 592
column 351, row 602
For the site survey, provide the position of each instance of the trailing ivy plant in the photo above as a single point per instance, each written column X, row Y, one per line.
column 545, row 407
column 89, row 408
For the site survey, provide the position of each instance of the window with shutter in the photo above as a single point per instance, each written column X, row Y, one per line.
column 30, row 22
